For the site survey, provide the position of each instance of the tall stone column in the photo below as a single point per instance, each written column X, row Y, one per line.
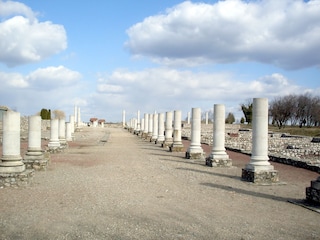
column 123, row 118
column 138, row 122
column 13, row 172
column 207, row 118
column 177, row 145
column 168, row 130
column 142, row 127
column 71, row 120
column 195, row 150
column 155, row 128
column 75, row 115
column 218, row 156
column 188, row 118
column 150, row 127
column 160, row 138
column 62, row 132
column 79, row 118
column 11, row 160
column 68, row 132
column 146, row 126
column 259, row 170
column 54, row 143
column 34, row 158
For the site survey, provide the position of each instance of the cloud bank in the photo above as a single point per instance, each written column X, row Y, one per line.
column 283, row 33
column 23, row 39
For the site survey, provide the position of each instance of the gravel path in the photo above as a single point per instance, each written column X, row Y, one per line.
column 127, row 188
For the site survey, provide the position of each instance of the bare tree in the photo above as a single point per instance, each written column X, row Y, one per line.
column 58, row 114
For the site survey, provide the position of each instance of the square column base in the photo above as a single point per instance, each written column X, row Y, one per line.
column 36, row 162
column 195, row 155
column 225, row 162
column 176, row 148
column 313, row 195
column 16, row 180
column 313, row 192
column 260, row 177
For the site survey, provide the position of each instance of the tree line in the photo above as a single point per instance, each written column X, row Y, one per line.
column 295, row 110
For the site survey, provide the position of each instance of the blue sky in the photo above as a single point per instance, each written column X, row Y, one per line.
column 109, row 56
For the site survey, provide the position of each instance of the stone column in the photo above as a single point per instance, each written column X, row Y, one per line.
column 160, row 138
column 259, row 170
column 138, row 122
column 177, row 145
column 146, row 126
column 123, row 118
column 150, row 127
column 62, row 132
column 68, row 132
column 54, row 143
column 34, row 158
column 218, row 156
column 71, row 120
column 11, row 160
column 142, row 127
column 195, row 150
column 79, row 118
column 188, row 118
column 168, row 130
column 207, row 118
column 313, row 192
column 75, row 115
column 155, row 128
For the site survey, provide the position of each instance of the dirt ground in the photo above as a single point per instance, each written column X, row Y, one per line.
column 128, row 188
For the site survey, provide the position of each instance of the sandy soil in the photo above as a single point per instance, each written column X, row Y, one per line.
column 128, row 188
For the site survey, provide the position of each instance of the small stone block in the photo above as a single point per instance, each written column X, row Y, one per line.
column 262, row 177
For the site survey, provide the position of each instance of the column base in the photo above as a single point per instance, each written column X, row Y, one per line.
column 313, row 192
column 211, row 162
column 16, row 180
column 37, row 162
column 260, row 177
column 166, row 144
column 195, row 155
column 176, row 148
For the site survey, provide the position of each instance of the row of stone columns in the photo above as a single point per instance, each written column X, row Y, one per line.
column 259, row 168
column 15, row 170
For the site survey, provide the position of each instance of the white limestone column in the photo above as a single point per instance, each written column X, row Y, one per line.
column 146, row 125
column 75, row 115
column 142, row 127
column 195, row 150
column 177, row 145
column 160, row 138
column 54, row 134
column 155, row 128
column 188, row 118
column 34, row 137
column 68, row 132
column 168, row 130
column 123, row 118
column 11, row 160
column 218, row 156
column 79, row 118
column 62, row 131
column 150, row 125
column 259, row 158
column 71, row 120
column 207, row 118
column 138, row 121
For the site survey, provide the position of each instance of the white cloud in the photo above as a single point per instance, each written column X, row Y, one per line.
column 284, row 33
column 23, row 39
column 53, row 77
column 51, row 87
